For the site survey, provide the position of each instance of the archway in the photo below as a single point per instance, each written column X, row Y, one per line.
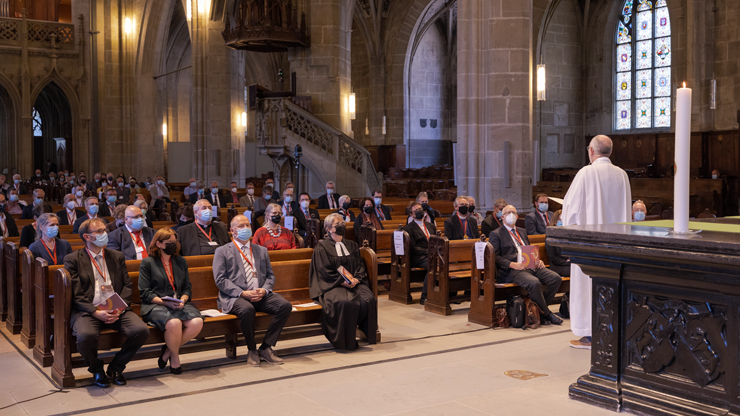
column 8, row 131
column 52, row 129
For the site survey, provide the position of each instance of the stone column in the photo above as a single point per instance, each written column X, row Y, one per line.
column 323, row 71
column 494, row 101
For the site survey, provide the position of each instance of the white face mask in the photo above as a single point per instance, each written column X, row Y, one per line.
column 233, row 190
column 250, row 191
column 70, row 205
column 714, row 176
column 511, row 219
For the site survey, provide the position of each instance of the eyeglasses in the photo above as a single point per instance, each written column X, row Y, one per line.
column 136, row 217
column 98, row 232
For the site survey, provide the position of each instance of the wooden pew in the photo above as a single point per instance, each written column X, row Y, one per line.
column 449, row 271
column 380, row 242
column 485, row 292
column 402, row 274
column 13, row 287
column 217, row 333
column 3, row 281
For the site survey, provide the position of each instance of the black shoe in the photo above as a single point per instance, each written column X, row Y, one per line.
column 116, row 377
column 422, row 301
column 160, row 362
column 554, row 319
column 176, row 371
column 101, row 380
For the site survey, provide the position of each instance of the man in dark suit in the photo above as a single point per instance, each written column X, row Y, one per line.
column 536, row 222
column 274, row 195
column 507, row 242
column 330, row 200
column 203, row 236
column 92, row 208
column 69, row 214
column 7, row 223
column 382, row 211
column 287, row 204
column 215, row 198
column 38, row 177
column 419, row 232
column 493, row 221
column 109, row 205
column 134, row 237
column 304, row 213
column 18, row 185
column 244, row 277
column 96, row 274
column 38, row 198
column 199, row 193
column 461, row 226
column 232, row 196
column 261, row 203
column 123, row 194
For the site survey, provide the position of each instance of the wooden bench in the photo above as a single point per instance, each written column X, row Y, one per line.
column 380, row 242
column 12, row 274
column 485, row 292
column 220, row 332
column 449, row 271
column 402, row 274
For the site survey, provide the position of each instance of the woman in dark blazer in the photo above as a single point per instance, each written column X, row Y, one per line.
column 367, row 217
column 165, row 274
column 48, row 245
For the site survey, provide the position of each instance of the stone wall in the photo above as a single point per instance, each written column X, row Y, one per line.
column 727, row 63
column 360, row 83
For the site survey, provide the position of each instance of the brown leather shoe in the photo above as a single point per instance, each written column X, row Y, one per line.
column 269, row 356
column 253, row 359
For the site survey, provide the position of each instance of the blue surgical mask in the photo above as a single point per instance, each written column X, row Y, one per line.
column 559, row 223
column 37, row 201
column 112, row 198
column 499, row 214
column 244, row 233
column 101, row 240
column 206, row 215
column 16, row 181
column 52, row 232
column 137, row 224
column 543, row 207
column 639, row 216
column 214, row 190
column 377, row 201
column 93, row 209
column 14, row 198
column 160, row 182
column 288, row 199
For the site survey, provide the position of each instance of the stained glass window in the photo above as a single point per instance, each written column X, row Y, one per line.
column 643, row 66
column 36, row 124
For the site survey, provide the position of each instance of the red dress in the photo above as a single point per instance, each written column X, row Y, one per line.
column 285, row 241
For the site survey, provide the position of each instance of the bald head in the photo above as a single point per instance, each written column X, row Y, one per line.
column 600, row 146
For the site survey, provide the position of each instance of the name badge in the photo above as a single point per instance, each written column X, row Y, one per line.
column 212, row 243
column 139, row 249
column 106, row 288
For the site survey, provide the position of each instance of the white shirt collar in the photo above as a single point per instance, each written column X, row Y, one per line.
column 602, row 159
column 341, row 249
column 242, row 246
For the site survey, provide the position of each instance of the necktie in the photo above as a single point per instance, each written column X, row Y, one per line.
column 140, row 243
column 248, row 270
column 380, row 213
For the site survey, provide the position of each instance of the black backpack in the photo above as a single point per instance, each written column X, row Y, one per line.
column 565, row 306
column 515, row 310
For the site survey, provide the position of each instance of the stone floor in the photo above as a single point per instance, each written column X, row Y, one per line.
column 426, row 365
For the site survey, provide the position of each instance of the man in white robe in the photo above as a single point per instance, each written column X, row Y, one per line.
column 599, row 194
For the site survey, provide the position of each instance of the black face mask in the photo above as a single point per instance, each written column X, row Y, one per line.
column 340, row 230
column 471, row 208
column 425, row 207
column 276, row 219
column 345, row 206
column 462, row 210
column 170, row 248
column 419, row 214
column 83, row 181
column 368, row 210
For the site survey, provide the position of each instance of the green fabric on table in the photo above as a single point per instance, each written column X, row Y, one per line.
column 705, row 226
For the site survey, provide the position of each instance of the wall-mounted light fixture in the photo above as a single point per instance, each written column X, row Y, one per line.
column 128, row 26
column 201, row 6
column 164, row 129
column 713, row 93
column 384, row 125
column 352, row 106
column 244, row 119
column 367, row 127
column 541, row 82
column 189, row 9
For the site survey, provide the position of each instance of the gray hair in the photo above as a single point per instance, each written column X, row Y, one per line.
column 200, row 183
column 421, row 195
column 332, row 219
column 602, row 145
column 344, row 198
column 198, row 204
column 459, row 200
column 43, row 221
column 330, row 183
column 141, row 204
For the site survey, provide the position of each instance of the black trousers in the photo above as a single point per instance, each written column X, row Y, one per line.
column 422, row 262
column 533, row 280
column 271, row 303
column 87, row 330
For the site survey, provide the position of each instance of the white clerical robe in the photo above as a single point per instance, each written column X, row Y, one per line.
column 599, row 194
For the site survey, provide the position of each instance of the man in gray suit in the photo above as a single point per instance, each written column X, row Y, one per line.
column 134, row 238
column 244, row 277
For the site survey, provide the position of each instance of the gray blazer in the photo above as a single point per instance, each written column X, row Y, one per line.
column 228, row 272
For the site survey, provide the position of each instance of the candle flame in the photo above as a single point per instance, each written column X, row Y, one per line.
column 684, row 84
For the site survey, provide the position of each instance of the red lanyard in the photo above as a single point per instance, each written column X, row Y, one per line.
column 95, row 263
column 2, row 227
column 424, row 228
column 69, row 219
column 544, row 218
column 465, row 226
column 170, row 275
column 515, row 235
column 380, row 213
column 204, row 233
column 497, row 221
column 245, row 257
column 53, row 256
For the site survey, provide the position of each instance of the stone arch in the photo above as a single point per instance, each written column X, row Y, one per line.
column 10, row 124
column 58, row 139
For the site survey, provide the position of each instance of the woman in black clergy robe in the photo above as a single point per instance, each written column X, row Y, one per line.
column 344, row 306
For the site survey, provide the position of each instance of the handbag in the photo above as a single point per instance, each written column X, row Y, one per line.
column 515, row 311
column 501, row 317
column 532, row 319
column 565, row 306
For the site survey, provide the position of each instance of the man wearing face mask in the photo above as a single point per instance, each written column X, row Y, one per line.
column 287, row 204
column 507, row 242
column 330, row 200
column 419, row 232
column 109, row 206
column 429, row 214
column 38, row 177
column 79, row 196
column 7, row 223
column 344, row 203
column 461, row 226
column 248, row 199
column 471, row 209
column 261, row 203
column 382, row 211
column 38, row 199
column 244, row 277
column 275, row 195
column 123, row 194
column 159, row 192
column 599, row 194
column 192, row 187
column 200, row 192
column 70, row 213
column 92, row 208
column 536, row 222
column 18, row 185
column 494, row 221
column 14, row 205
column 639, row 211
column 134, row 238
column 214, row 196
column 142, row 205
column 232, row 197
column 305, row 213
column 96, row 275
column 203, row 236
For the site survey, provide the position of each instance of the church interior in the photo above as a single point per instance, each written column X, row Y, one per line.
column 460, row 111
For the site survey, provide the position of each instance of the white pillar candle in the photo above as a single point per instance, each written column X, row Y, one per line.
column 683, row 147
